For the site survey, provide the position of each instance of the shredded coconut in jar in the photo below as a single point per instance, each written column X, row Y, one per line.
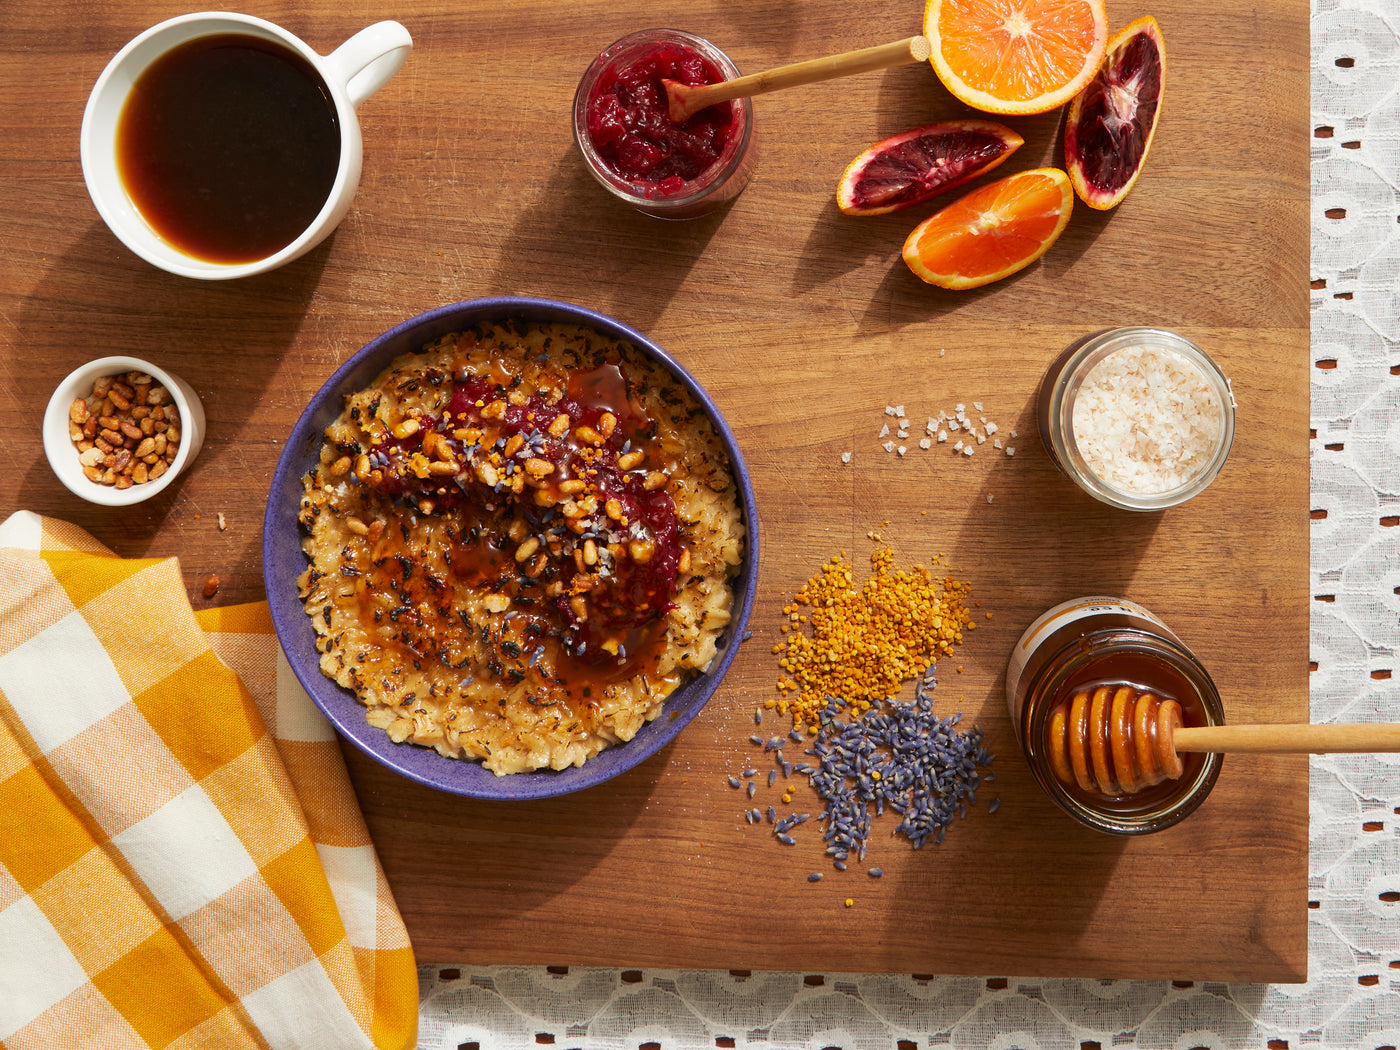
column 1146, row 420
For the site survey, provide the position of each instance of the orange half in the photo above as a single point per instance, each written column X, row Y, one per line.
column 992, row 232
column 1015, row 56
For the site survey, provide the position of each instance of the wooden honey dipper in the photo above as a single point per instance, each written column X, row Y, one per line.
column 1117, row 741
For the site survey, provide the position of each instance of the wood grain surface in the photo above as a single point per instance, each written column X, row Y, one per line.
column 804, row 325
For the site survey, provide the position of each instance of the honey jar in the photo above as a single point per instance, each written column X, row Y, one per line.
column 1077, row 648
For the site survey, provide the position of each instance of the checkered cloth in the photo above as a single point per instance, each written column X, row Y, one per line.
column 182, row 860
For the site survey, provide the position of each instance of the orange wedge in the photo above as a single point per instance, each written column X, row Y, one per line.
column 1109, row 125
column 914, row 166
column 1015, row 56
column 992, row 232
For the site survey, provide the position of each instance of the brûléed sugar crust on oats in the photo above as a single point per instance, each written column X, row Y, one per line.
column 522, row 539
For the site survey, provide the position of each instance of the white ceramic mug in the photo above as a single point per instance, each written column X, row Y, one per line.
column 351, row 73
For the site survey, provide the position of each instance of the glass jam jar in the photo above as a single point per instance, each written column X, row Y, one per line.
column 1139, row 418
column 633, row 148
column 1079, row 645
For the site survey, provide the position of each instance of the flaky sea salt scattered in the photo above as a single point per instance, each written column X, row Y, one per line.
column 965, row 428
column 845, row 457
column 1146, row 420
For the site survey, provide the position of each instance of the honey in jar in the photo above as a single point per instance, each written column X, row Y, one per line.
column 1074, row 649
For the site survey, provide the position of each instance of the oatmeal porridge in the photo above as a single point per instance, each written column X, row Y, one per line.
column 521, row 541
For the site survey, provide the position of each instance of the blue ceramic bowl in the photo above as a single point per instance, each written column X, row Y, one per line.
column 283, row 562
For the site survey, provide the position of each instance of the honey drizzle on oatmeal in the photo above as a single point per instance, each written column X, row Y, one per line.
column 415, row 597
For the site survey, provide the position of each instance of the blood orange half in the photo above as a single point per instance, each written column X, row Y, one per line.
column 914, row 166
column 1110, row 124
column 1015, row 56
column 993, row 231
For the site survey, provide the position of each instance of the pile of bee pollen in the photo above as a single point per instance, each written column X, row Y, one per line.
column 865, row 643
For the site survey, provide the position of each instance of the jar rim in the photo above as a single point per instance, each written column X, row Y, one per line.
column 1095, row 646
column 1083, row 357
column 710, row 181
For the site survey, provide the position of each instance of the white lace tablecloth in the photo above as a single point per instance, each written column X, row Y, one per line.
column 1353, row 997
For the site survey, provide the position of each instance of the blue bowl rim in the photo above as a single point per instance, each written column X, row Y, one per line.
column 293, row 627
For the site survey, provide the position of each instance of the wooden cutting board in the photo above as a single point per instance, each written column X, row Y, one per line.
column 804, row 325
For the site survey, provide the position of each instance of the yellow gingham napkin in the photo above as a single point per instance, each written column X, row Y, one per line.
column 182, row 860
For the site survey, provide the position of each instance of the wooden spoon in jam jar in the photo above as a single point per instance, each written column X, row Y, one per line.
column 685, row 100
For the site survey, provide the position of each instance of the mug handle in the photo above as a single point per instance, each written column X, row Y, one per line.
column 365, row 62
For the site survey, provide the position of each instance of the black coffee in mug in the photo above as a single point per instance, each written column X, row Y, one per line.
column 229, row 145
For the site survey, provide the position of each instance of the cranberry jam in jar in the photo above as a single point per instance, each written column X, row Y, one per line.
column 634, row 149
column 1069, row 666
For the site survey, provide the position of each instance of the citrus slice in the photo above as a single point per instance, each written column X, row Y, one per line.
column 909, row 168
column 1110, row 124
column 993, row 231
column 1015, row 56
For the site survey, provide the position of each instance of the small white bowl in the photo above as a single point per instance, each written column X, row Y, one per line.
column 63, row 454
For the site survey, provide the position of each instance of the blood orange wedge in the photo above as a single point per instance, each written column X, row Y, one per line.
column 910, row 168
column 1015, row 56
column 993, row 231
column 1110, row 124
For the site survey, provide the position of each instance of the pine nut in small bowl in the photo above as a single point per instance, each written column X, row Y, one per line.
column 119, row 430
